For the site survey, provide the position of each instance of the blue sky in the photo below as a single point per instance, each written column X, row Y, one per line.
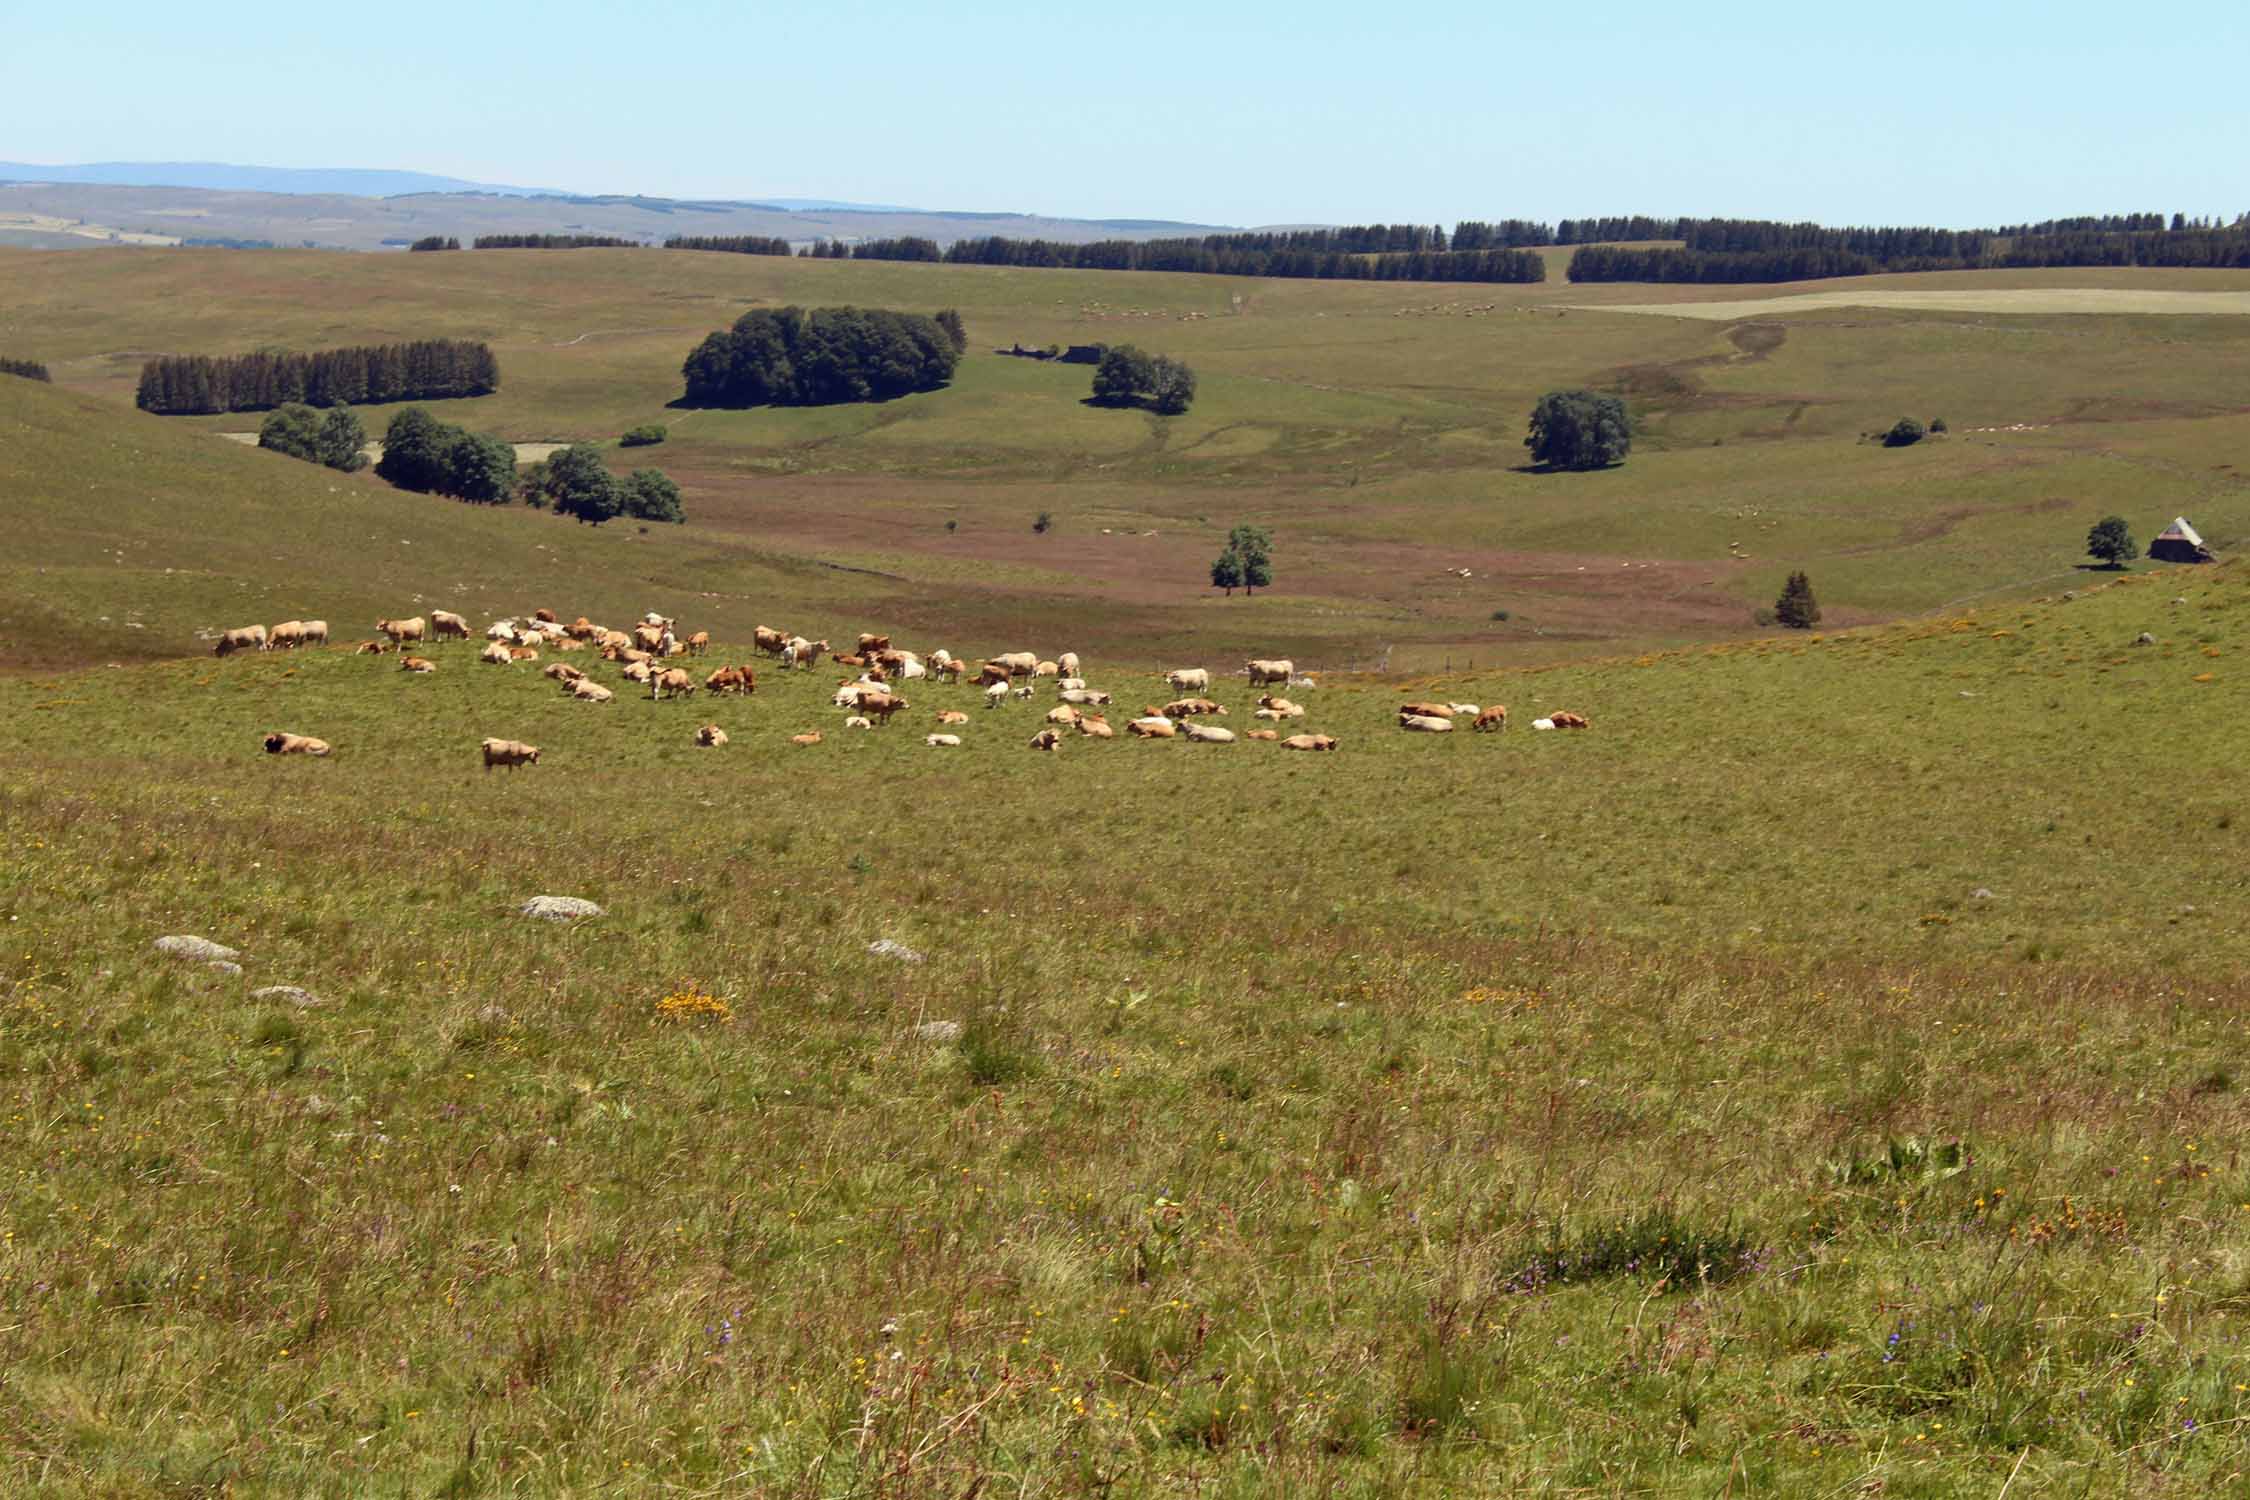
column 1245, row 112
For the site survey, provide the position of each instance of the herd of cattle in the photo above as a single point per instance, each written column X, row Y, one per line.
column 870, row 698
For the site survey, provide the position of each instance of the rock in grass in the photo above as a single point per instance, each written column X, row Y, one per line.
column 202, row 950
column 288, row 994
column 885, row 948
column 943, row 1033
column 559, row 908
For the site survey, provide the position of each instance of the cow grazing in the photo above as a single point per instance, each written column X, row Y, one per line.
column 936, row 741
column 241, row 638
column 881, row 705
column 509, row 753
column 1068, row 663
column 1425, row 723
column 699, row 643
column 1189, row 680
column 1017, row 663
column 1047, row 739
column 740, row 681
column 995, row 693
column 287, row 636
column 1263, row 672
column 671, row 682
column 1493, row 718
column 416, row 664
column 282, row 743
column 805, row 739
column 1309, row 742
column 951, row 669
column 711, row 736
column 402, row 631
column 1207, row 734
column 316, row 632
column 446, row 625
column 586, row 690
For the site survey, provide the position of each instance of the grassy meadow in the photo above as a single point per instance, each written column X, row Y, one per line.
column 1821, row 1076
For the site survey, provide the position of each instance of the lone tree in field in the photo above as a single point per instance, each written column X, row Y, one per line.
column 1226, row 571
column 1128, row 376
column 1247, row 562
column 2111, row 540
column 1797, row 608
column 1579, row 429
column 1904, row 433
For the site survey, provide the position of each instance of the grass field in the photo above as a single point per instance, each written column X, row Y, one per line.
column 1376, row 428
column 1821, row 1076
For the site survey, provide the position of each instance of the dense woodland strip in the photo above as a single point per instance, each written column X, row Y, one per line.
column 431, row 369
column 794, row 357
column 29, row 369
column 1218, row 255
column 732, row 244
column 554, row 242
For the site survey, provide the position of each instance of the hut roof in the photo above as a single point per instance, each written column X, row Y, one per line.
column 2180, row 531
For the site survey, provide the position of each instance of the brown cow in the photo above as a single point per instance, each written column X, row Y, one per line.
column 952, row 668
column 373, row 648
column 1095, row 727
column 673, row 681
column 509, row 753
column 283, row 743
column 241, row 638
column 951, row 716
column 1261, row 734
column 1427, row 710
column 1564, row 719
column 523, row 653
column 1154, row 727
column 417, row 664
column 711, row 735
column 1493, row 718
column 1188, row 708
column 1309, row 742
column 582, row 629
column 768, row 640
column 402, row 631
column 699, row 643
column 736, row 680
column 873, row 642
column 1047, row 739
column 880, row 705
column 545, row 616
column 561, row 671
column 805, row 739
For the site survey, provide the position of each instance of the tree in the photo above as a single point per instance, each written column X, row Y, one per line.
column 414, row 448
column 294, row 430
column 950, row 321
column 2111, row 540
column 794, row 357
column 1128, row 376
column 650, row 495
column 1904, row 433
column 479, row 468
column 1226, row 571
column 1797, row 608
column 1173, row 387
column 339, row 440
column 1252, row 546
column 647, row 435
column 580, row 486
column 1044, row 522
column 1580, row 430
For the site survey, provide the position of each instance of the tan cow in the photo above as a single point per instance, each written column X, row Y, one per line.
column 1152, row 728
column 416, row 664
column 740, row 681
column 1427, row 710
column 672, row 681
column 586, row 690
column 241, row 638
column 582, row 629
column 1084, row 696
column 768, row 640
column 1309, row 742
column 711, row 736
column 1067, row 663
column 1189, row 680
column 444, row 625
column 1188, row 708
column 936, row 741
column 805, row 739
column 1261, row 734
column 523, row 653
column 1493, row 718
column 1425, row 723
column 562, row 672
column 1263, row 672
column 951, row 716
column 1281, row 708
column 509, row 753
column 1207, row 734
column 699, row 643
column 1017, row 663
column 402, row 631
column 281, row 742
column 497, row 654
column 1565, row 719
column 638, row 671
column 1063, row 714
column 871, row 643
column 1047, row 739
column 1095, row 727
column 316, row 633
column 950, row 669
column 287, row 636
column 877, row 705
column 373, row 648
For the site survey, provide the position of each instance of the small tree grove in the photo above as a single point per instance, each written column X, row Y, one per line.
column 1579, row 430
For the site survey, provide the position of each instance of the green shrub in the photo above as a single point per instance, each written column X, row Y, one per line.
column 647, row 435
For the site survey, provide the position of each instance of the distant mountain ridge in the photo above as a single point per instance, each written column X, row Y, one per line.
column 358, row 182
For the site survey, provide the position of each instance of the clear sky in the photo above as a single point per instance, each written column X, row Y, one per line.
column 1225, row 111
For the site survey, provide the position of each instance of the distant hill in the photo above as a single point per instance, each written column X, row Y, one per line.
column 390, row 210
column 224, row 177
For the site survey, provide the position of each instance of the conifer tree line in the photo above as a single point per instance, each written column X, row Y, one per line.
column 1214, row 255
column 793, row 356
column 554, row 242
column 733, row 244
column 29, row 369
column 430, row 369
column 435, row 242
column 905, row 247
